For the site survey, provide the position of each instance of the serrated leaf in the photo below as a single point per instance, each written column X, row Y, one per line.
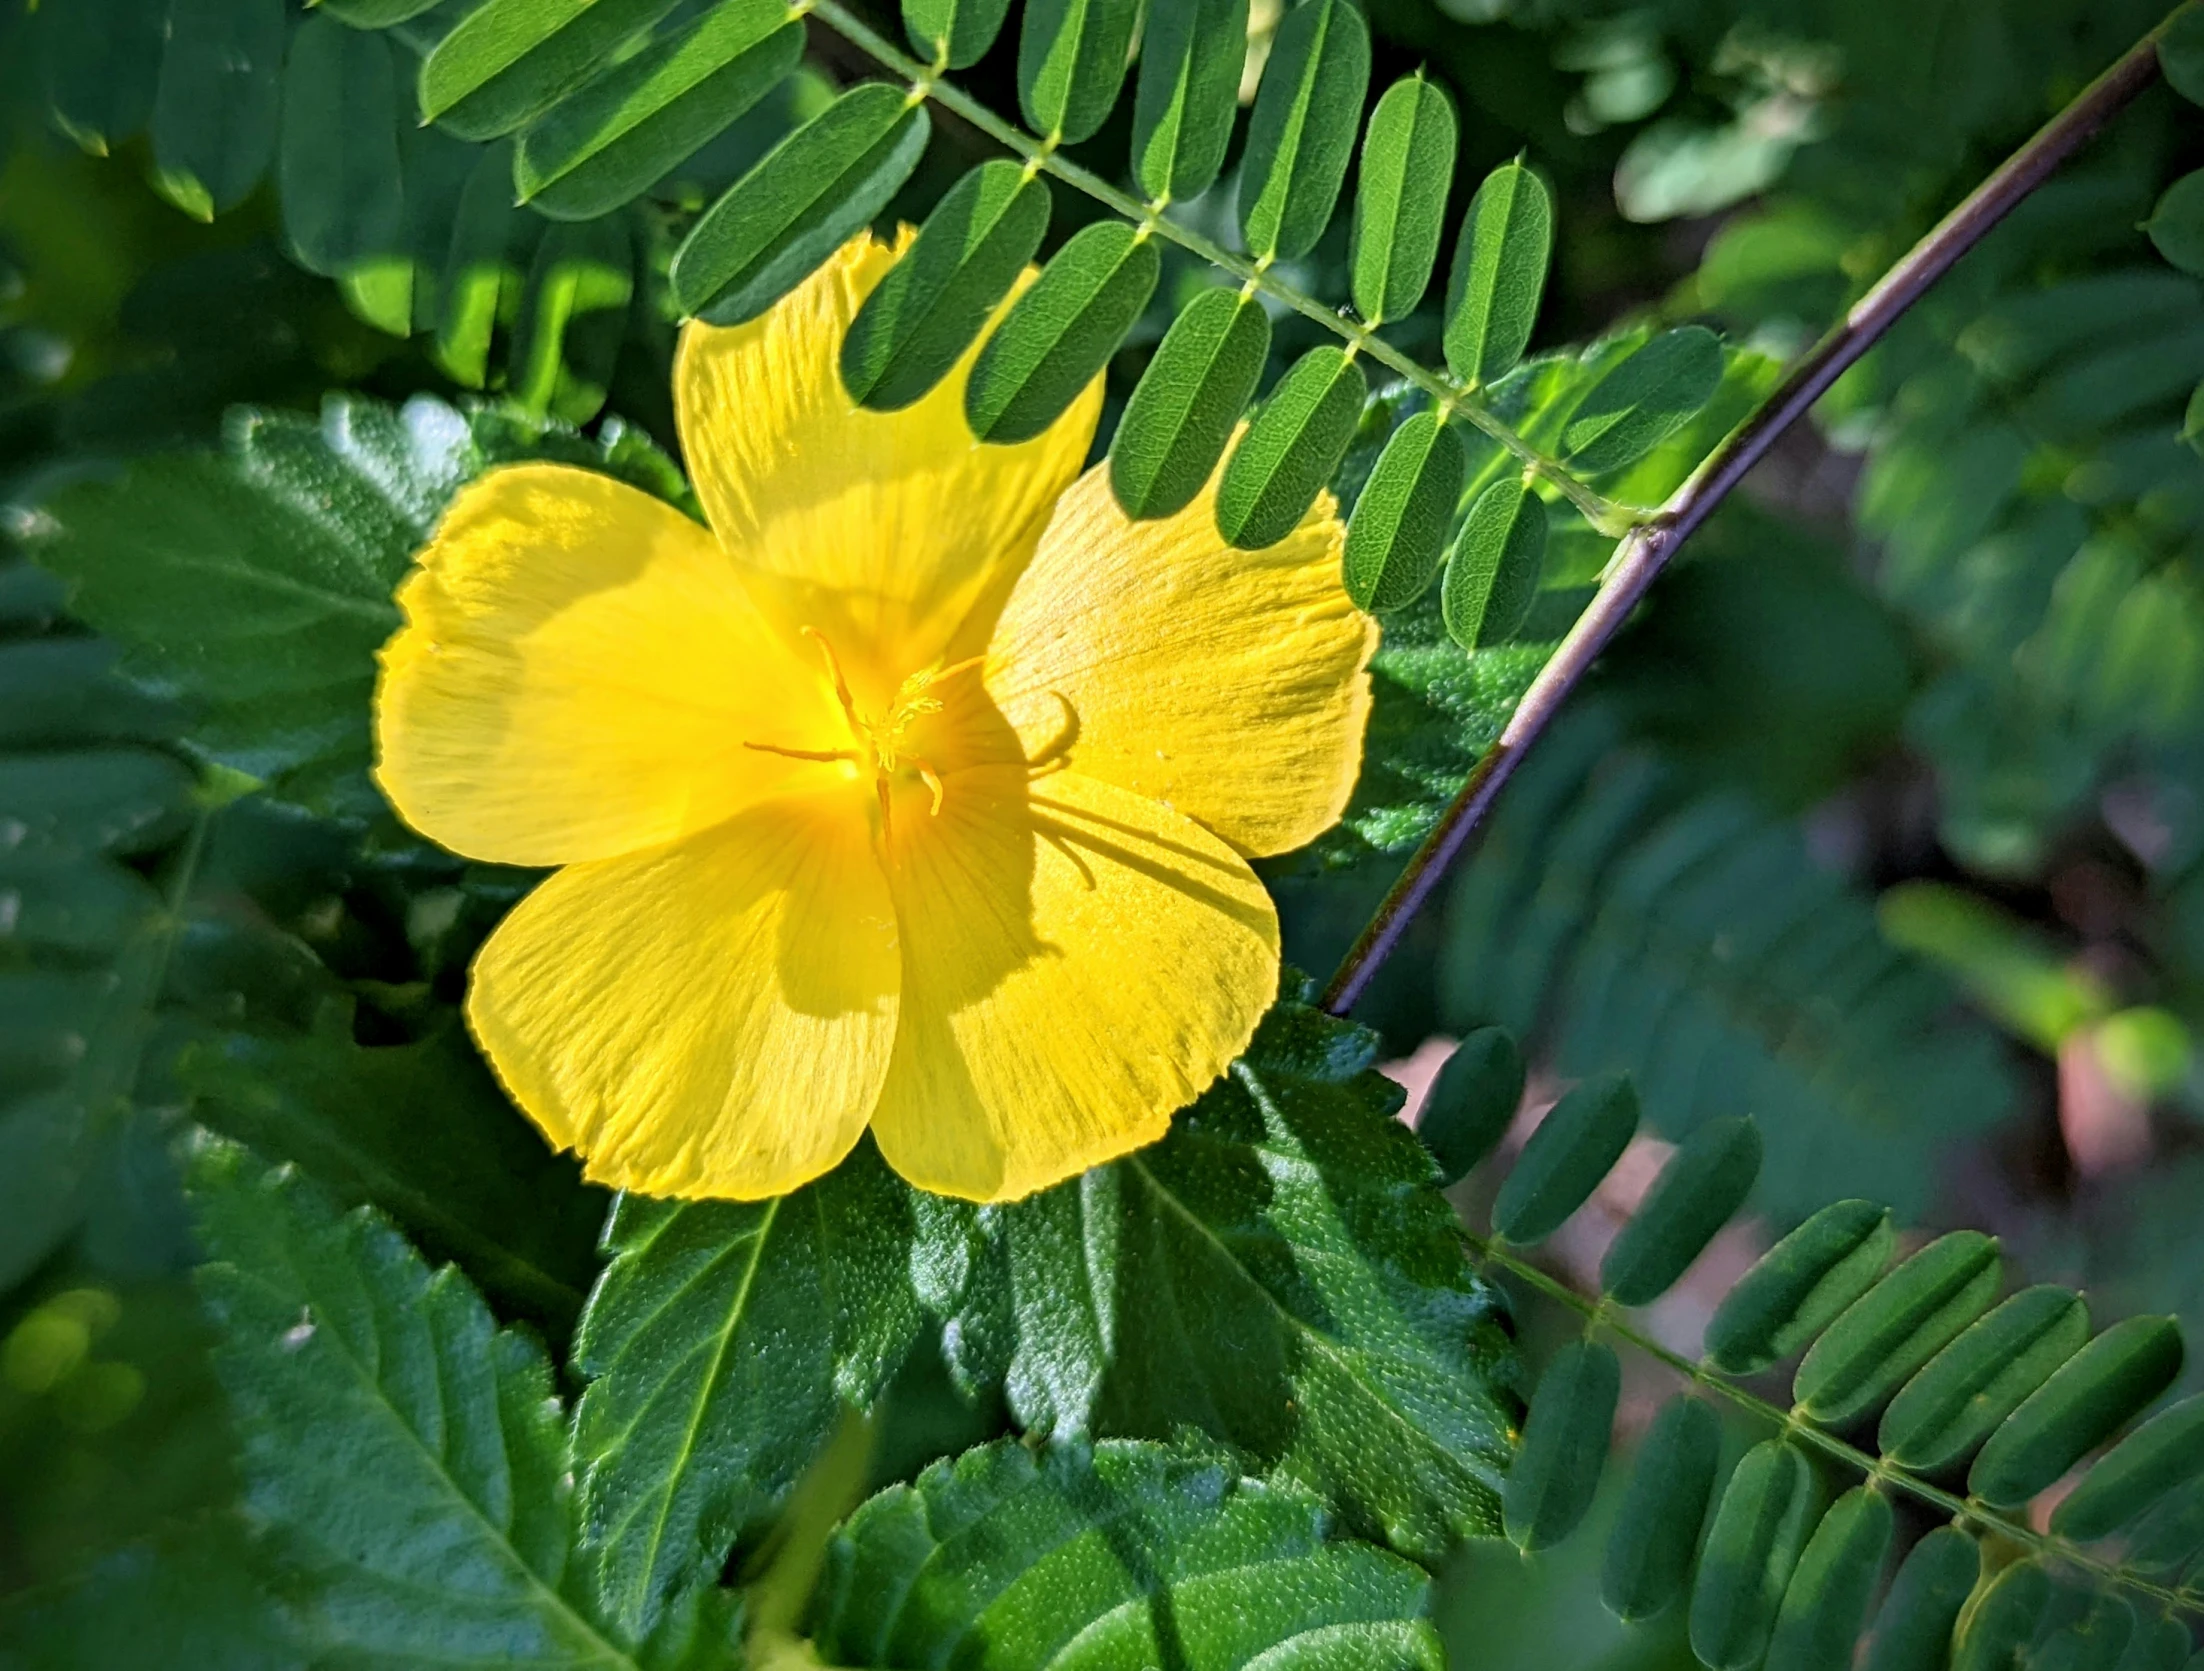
column 1071, row 61
column 1061, row 332
column 958, row 32
column 1396, row 536
column 215, row 109
column 103, row 61
column 919, row 319
column 620, row 135
column 799, row 204
column 1493, row 572
column 1191, row 56
column 1290, row 450
column 1282, row 1271
column 1644, row 400
column 407, row 1452
column 720, row 1346
column 1400, row 205
column 1499, row 274
column 1183, row 410
column 573, row 315
column 508, row 61
column 1302, row 132
column 1121, row 1557
column 337, row 164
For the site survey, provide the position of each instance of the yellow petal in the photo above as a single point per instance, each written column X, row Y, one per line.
column 880, row 530
column 579, row 671
column 1230, row 685
column 1078, row 963
column 711, row 1019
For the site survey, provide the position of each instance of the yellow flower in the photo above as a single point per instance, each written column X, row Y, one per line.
column 916, row 792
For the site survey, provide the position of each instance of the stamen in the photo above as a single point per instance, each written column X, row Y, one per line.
column 804, row 753
column 932, row 780
column 841, row 685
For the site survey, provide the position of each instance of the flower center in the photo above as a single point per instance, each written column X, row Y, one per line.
column 881, row 743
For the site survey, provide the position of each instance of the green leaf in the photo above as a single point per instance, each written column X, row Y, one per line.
column 406, row 1451
column 485, row 270
column 508, row 61
column 1767, row 1510
column 1656, row 1534
column 1913, row 1630
column 1302, row 132
column 958, row 32
column 2181, row 55
column 625, row 131
column 919, row 320
column 1290, row 450
column 375, row 14
column 1396, row 537
column 799, row 204
column 1071, row 61
column 1499, row 274
column 573, row 316
column 1400, row 206
column 1493, row 572
column 1999, row 1626
column 1564, row 1451
column 1703, row 1184
column 720, row 1346
column 1574, row 1147
column 1943, row 1414
column 1825, row 1604
column 420, row 1131
column 2165, row 1452
column 1191, row 55
column 1898, row 1325
column 1060, row 334
column 103, row 61
column 1182, row 412
column 1118, row 1558
column 1280, row 1270
column 337, row 168
column 215, row 110
column 1644, row 400
column 1473, row 1100
column 2092, row 1395
column 2176, row 225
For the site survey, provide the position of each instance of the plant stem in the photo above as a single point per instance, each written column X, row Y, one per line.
column 1603, row 513
column 1601, row 1317
column 1647, row 549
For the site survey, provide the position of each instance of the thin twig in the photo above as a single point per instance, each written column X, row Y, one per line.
column 1646, row 551
column 1602, row 512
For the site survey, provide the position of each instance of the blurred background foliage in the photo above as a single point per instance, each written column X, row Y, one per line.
column 1885, row 823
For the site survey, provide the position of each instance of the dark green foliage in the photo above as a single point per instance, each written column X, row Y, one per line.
column 573, row 314
column 920, row 319
column 1400, row 202
column 1396, row 537
column 1578, row 1142
column 1187, row 95
column 1302, row 132
column 1944, row 1413
column 2093, row 1394
column 1126, row 1556
column 1913, row 1629
column 1698, row 1191
column 1181, row 415
column 1493, row 572
column 798, row 206
column 621, row 134
column 1656, row 1535
column 508, row 61
column 1999, row 1627
column 1290, row 450
column 1499, row 274
column 1825, row 1603
column 103, row 60
column 1071, row 62
column 720, row 1346
column 2176, row 226
column 2146, row 1465
column 338, row 162
column 2181, row 56
column 1564, row 1448
column 957, row 31
column 1280, row 1270
column 375, row 14
column 1061, row 332
column 1767, row 1511
column 1889, row 1332
column 1471, row 1103
column 215, row 111
column 1643, row 400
